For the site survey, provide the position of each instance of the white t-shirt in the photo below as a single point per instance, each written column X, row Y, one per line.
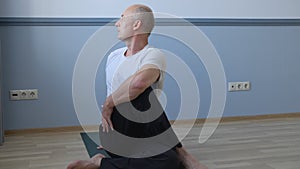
column 120, row 67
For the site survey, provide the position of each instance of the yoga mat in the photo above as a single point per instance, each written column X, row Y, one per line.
column 91, row 141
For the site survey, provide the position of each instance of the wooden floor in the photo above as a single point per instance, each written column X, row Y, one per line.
column 255, row 144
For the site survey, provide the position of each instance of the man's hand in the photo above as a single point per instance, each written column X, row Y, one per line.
column 129, row 90
column 107, row 110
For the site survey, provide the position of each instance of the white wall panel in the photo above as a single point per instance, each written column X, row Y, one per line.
column 188, row 9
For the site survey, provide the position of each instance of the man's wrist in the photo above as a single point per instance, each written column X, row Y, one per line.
column 109, row 103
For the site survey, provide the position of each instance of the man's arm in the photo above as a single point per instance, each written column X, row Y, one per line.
column 129, row 90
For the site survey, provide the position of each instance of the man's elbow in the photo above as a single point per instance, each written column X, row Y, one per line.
column 137, row 87
column 142, row 81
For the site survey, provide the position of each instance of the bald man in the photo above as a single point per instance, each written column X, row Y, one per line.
column 132, row 74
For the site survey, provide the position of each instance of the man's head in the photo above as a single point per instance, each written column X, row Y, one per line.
column 135, row 20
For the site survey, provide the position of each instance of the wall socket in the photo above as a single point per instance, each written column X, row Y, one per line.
column 238, row 86
column 27, row 94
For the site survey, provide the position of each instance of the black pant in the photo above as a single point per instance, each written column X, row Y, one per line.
column 166, row 160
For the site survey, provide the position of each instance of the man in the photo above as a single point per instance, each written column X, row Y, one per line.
column 133, row 73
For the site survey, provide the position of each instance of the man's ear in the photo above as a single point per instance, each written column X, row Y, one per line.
column 137, row 24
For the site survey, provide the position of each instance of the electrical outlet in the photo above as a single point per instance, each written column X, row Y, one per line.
column 28, row 94
column 23, row 94
column 231, row 86
column 238, row 86
column 14, row 95
column 32, row 94
column 245, row 85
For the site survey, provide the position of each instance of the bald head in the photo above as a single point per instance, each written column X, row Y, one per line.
column 142, row 9
column 145, row 15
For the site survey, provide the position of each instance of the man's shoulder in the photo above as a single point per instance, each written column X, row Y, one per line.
column 151, row 48
column 155, row 51
column 154, row 56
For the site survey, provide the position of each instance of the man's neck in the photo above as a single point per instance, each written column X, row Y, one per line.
column 135, row 44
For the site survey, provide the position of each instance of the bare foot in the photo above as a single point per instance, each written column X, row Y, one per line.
column 96, row 159
column 100, row 147
column 82, row 164
column 93, row 163
column 189, row 161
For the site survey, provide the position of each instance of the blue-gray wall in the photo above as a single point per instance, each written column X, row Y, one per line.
column 44, row 56
column 1, row 112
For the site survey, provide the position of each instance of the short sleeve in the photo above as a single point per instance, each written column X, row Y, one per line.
column 157, row 58
column 154, row 57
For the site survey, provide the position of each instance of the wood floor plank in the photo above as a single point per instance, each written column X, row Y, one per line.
column 253, row 144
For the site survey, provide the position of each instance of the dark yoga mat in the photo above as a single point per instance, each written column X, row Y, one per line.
column 91, row 141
